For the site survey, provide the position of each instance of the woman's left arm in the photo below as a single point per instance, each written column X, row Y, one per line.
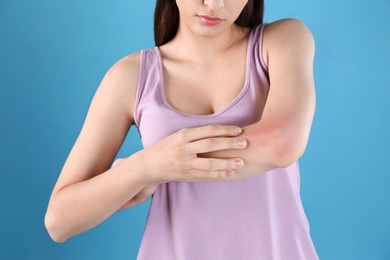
column 280, row 137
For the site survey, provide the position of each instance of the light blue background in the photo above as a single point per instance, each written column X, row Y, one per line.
column 53, row 55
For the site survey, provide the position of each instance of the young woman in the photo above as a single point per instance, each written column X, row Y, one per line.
column 224, row 106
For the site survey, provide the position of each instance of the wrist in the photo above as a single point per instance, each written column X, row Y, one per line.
column 146, row 169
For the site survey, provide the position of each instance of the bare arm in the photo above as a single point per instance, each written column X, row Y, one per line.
column 87, row 192
column 280, row 137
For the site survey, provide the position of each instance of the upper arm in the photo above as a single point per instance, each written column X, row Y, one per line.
column 288, row 114
column 106, row 125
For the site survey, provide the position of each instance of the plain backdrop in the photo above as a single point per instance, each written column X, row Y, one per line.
column 53, row 55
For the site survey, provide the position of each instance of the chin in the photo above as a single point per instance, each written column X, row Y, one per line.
column 208, row 31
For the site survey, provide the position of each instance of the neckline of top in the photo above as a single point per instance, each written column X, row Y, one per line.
column 225, row 108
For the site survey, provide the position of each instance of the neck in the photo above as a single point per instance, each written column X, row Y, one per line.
column 189, row 45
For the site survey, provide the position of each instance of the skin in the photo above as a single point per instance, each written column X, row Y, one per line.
column 88, row 190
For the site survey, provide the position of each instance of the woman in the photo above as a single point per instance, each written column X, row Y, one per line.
column 224, row 107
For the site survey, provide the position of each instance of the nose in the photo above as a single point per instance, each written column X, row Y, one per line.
column 214, row 5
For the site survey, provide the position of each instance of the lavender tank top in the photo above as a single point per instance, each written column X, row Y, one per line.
column 257, row 218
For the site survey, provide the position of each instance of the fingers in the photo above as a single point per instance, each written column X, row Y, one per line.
column 205, row 140
column 211, row 164
column 198, row 133
column 178, row 153
column 204, row 169
column 216, row 144
column 201, row 176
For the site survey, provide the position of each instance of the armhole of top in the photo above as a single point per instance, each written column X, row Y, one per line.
column 139, row 90
column 261, row 46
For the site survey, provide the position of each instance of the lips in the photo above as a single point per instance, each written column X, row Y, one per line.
column 209, row 20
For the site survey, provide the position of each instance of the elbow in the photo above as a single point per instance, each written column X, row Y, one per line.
column 285, row 158
column 276, row 147
column 285, row 152
column 54, row 228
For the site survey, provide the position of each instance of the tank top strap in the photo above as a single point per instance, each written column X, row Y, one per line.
column 148, row 78
column 258, row 61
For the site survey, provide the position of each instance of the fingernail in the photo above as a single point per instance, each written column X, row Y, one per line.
column 237, row 130
column 241, row 143
column 238, row 163
column 229, row 173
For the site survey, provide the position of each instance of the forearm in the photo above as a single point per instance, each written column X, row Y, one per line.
column 81, row 206
column 281, row 136
column 268, row 147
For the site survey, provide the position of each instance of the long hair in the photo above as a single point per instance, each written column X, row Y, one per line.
column 166, row 18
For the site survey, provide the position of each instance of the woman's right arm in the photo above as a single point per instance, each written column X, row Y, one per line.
column 88, row 191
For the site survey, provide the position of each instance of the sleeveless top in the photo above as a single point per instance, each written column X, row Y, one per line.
column 258, row 218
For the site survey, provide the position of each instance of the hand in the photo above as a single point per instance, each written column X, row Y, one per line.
column 175, row 158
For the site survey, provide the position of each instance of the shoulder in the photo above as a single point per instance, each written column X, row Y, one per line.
column 288, row 29
column 125, row 68
column 288, row 35
column 120, row 82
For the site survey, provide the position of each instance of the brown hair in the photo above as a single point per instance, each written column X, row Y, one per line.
column 166, row 18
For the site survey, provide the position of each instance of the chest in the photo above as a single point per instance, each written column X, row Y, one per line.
column 185, row 96
column 203, row 89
